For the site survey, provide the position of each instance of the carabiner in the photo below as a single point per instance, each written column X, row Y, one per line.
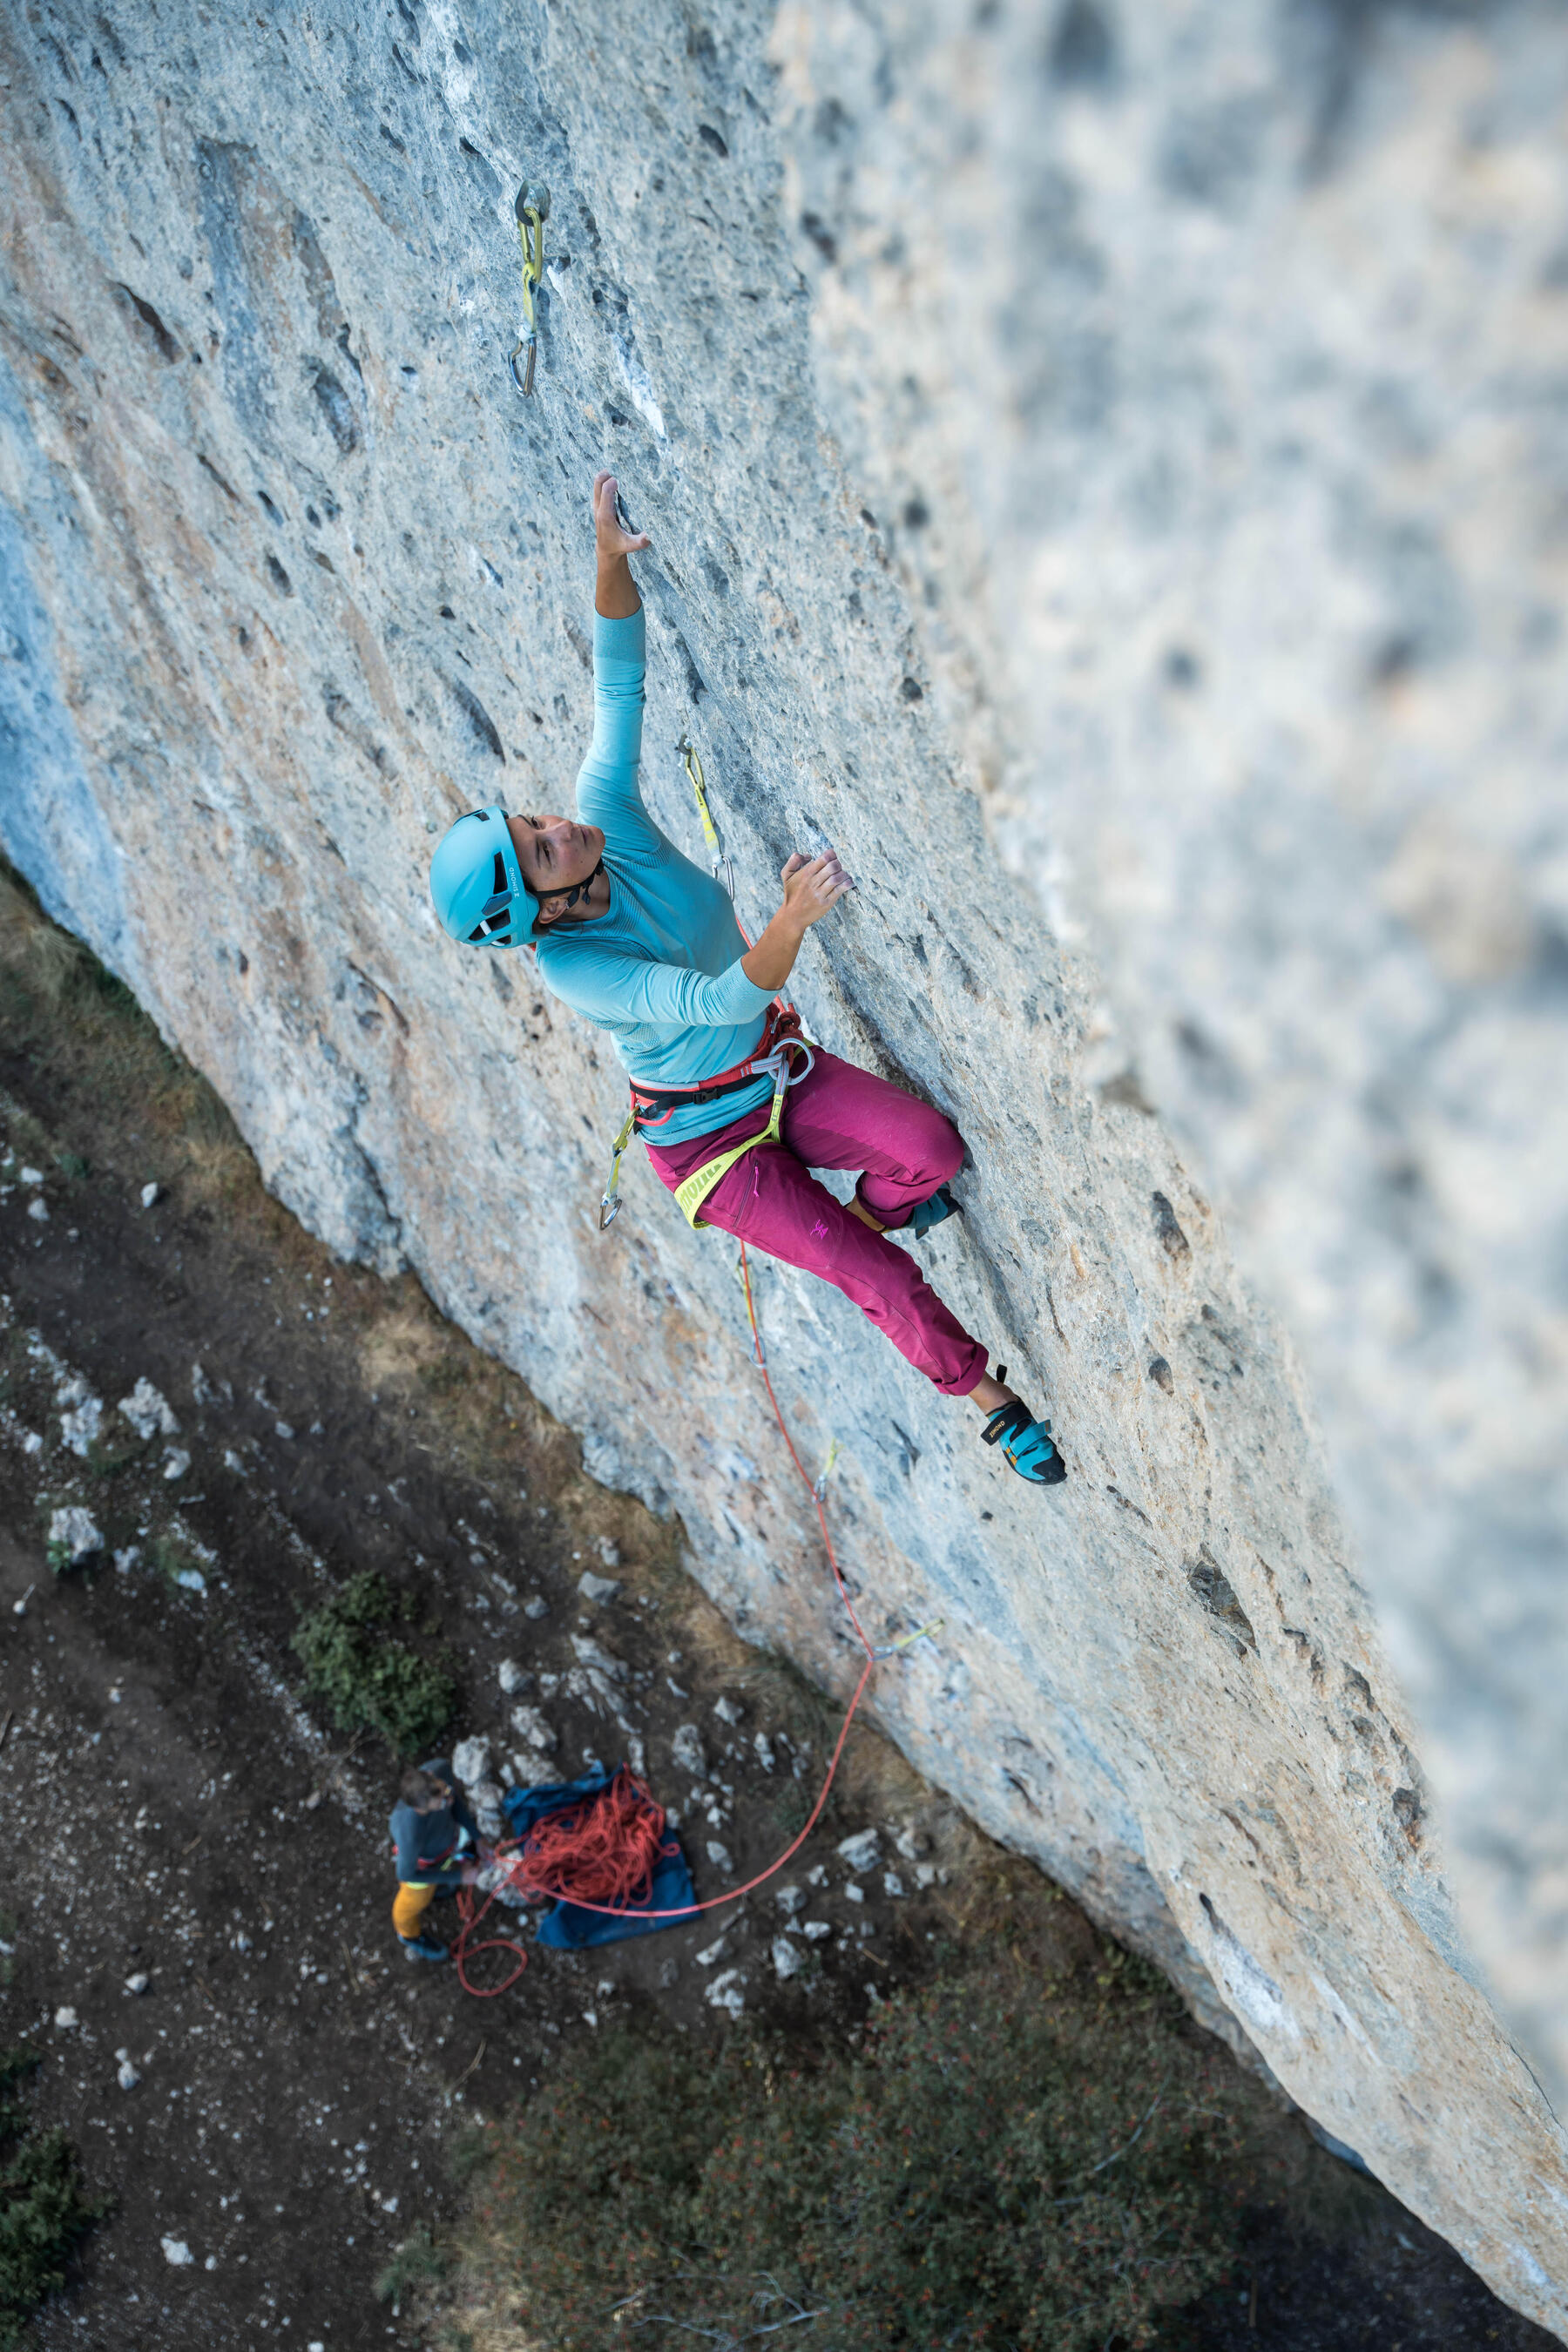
column 529, row 344
column 609, row 1210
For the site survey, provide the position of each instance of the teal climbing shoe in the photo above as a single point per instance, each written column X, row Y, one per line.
column 927, row 1214
column 422, row 1948
column 1026, row 1444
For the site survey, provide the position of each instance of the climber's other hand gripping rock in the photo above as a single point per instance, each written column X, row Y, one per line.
column 644, row 944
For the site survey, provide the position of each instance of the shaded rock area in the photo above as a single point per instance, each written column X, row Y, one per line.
column 290, row 575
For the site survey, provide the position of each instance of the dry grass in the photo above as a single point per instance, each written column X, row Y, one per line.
column 55, row 998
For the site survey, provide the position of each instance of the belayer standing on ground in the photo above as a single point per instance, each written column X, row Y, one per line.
column 639, row 940
column 436, row 1850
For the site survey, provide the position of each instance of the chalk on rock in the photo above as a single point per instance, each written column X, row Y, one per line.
column 176, row 2252
column 152, row 1193
column 471, row 1760
column 727, row 1710
column 788, row 1959
column 719, row 1855
column 148, row 1411
column 513, row 1677
column 532, row 1727
column 687, row 1752
column 597, row 1589
column 860, row 1851
column 74, row 1536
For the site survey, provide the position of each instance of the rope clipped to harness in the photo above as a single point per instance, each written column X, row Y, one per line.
column 533, row 210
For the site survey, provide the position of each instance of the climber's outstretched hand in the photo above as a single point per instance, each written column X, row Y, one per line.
column 812, row 887
column 608, row 536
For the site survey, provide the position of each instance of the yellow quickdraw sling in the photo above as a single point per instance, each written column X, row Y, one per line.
column 533, row 210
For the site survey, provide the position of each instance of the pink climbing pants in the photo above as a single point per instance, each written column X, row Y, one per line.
column 839, row 1116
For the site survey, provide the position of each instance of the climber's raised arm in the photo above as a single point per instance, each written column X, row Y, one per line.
column 812, row 887
column 615, row 597
column 609, row 794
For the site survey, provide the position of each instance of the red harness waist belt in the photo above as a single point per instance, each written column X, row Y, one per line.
column 651, row 1106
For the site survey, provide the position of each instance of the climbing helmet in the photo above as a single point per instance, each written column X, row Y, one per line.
column 475, row 883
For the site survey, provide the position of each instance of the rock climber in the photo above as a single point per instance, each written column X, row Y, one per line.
column 643, row 943
column 435, row 1844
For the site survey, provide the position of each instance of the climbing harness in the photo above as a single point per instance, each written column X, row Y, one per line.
column 651, row 1106
column 544, row 1873
column 533, row 210
column 1026, row 1443
column 692, row 763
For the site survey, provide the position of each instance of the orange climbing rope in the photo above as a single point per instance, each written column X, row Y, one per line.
column 600, row 1854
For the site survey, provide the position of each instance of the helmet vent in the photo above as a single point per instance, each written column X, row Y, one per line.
column 499, row 883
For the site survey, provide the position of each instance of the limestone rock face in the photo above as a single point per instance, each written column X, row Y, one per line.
column 1105, row 473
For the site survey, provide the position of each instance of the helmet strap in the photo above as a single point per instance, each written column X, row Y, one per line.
column 578, row 891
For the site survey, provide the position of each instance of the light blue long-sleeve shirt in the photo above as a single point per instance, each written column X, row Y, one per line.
column 661, row 971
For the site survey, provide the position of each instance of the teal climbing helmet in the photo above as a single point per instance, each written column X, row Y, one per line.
column 475, row 883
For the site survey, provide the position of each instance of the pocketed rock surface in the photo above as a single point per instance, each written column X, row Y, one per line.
column 292, row 575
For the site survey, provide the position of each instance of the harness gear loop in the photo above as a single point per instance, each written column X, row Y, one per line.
column 533, row 210
column 691, row 762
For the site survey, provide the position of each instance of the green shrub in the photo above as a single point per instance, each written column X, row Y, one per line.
column 1023, row 2170
column 367, row 1677
column 43, row 2206
column 417, row 2263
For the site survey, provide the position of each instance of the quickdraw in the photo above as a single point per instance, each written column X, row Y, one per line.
column 533, row 210
column 692, row 763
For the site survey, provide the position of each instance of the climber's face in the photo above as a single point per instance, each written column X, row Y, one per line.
column 554, row 854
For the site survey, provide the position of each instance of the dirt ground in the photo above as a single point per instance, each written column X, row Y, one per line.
column 175, row 1812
